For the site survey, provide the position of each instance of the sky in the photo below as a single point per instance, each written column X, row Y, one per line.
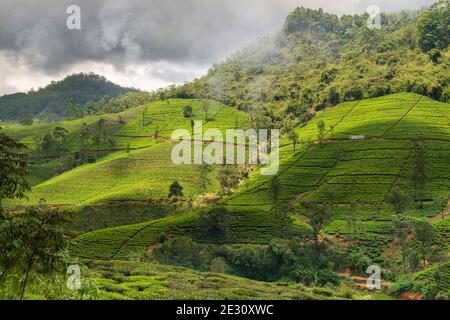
column 146, row 44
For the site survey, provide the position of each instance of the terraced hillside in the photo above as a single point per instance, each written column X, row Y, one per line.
column 125, row 174
column 155, row 281
column 362, row 171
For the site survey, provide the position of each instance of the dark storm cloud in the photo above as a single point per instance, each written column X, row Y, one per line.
column 118, row 32
column 176, row 37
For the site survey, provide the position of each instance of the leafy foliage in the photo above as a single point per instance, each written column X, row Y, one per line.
column 318, row 60
column 13, row 171
column 78, row 88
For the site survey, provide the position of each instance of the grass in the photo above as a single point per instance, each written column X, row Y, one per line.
column 142, row 174
column 139, row 175
column 147, row 281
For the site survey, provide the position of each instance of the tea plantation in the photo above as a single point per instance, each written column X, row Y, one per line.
column 363, row 172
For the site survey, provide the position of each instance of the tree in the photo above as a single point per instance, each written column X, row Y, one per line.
column 425, row 237
column 229, row 177
column 321, row 129
column 203, row 179
column 43, row 240
column 352, row 218
column 398, row 200
column 187, row 112
column 432, row 27
column 318, row 216
column 354, row 93
column 435, row 55
column 26, row 119
column 72, row 110
column 293, row 136
column 282, row 217
column 418, row 176
column 192, row 124
column 215, row 222
column 333, row 96
column 401, row 228
column 59, row 139
column 175, row 190
column 13, row 171
column 48, row 143
column 59, row 133
column 101, row 126
column 205, row 108
column 274, row 189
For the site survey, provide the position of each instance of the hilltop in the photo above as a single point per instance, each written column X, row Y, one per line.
column 317, row 60
column 50, row 101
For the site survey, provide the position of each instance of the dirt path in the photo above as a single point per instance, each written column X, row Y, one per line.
column 442, row 214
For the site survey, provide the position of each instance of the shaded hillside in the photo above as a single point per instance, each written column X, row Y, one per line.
column 52, row 99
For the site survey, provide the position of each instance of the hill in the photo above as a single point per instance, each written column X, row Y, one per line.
column 51, row 99
column 125, row 280
column 362, row 171
column 134, row 162
column 318, row 60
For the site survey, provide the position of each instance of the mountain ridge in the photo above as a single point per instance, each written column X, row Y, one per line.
column 80, row 87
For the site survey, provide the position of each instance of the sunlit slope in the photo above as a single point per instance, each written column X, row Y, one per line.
column 137, row 175
column 166, row 116
column 113, row 123
column 137, row 127
column 362, row 172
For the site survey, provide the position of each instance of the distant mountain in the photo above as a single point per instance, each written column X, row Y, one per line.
column 82, row 87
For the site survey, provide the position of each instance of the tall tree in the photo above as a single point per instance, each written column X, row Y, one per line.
column 43, row 240
column 205, row 107
column 293, row 136
column 204, row 180
column 432, row 26
column 418, row 176
column 321, row 129
column 13, row 171
column 274, row 189
column 318, row 216
column 398, row 200
column 215, row 221
column 229, row 177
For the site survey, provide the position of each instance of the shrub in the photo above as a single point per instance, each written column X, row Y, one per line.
column 215, row 222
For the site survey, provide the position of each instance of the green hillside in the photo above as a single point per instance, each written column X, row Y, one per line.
column 51, row 99
column 318, row 59
column 143, row 174
column 363, row 172
column 126, row 280
column 154, row 281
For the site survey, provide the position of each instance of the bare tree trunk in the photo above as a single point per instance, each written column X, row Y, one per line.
column 24, row 283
